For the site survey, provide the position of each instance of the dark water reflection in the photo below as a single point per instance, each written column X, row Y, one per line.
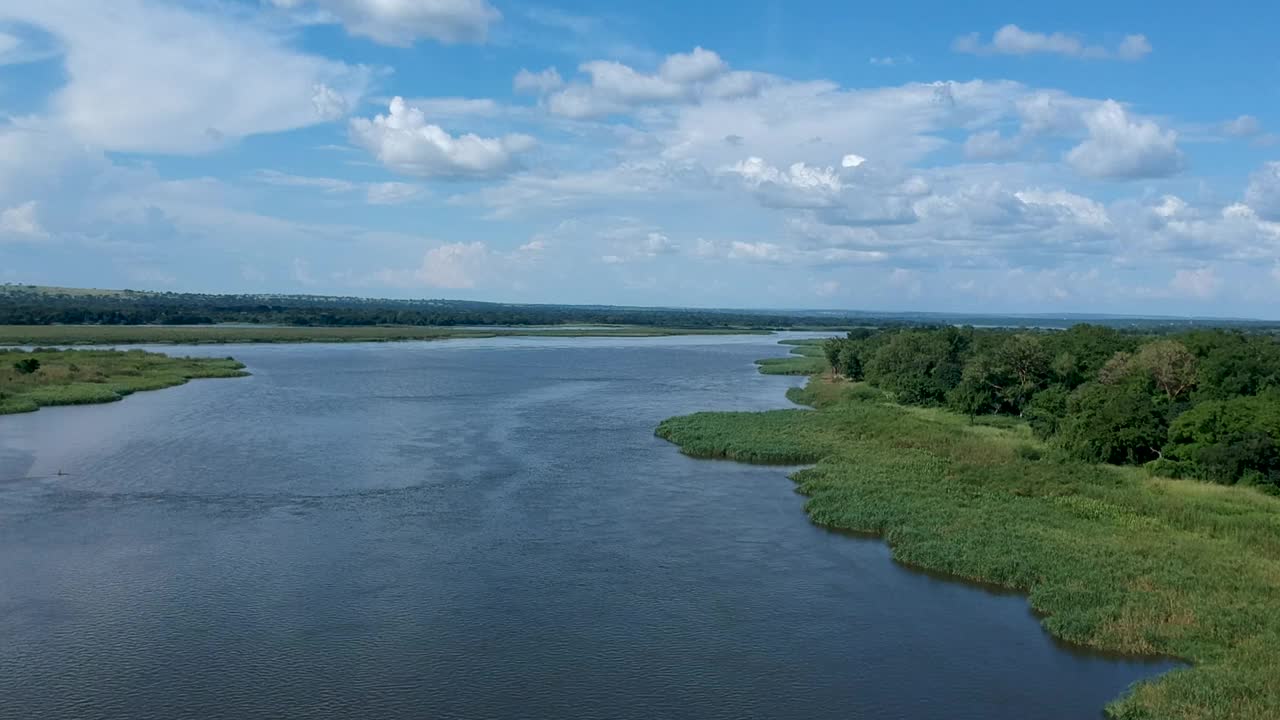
column 472, row 529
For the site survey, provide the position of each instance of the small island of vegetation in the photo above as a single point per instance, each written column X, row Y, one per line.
column 807, row 358
column 1124, row 481
column 32, row 379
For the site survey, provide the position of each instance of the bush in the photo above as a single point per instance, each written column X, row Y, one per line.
column 919, row 366
column 1046, row 412
column 1029, row 452
column 1118, row 424
column 1164, row 467
column 865, row 393
column 1223, row 440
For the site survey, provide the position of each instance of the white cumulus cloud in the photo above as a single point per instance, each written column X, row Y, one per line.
column 1123, row 147
column 404, row 141
column 613, row 87
column 146, row 77
column 452, row 266
column 697, row 66
column 329, row 103
column 1069, row 207
column 756, row 172
column 855, row 194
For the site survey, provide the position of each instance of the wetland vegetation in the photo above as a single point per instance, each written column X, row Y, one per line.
column 32, row 379
column 806, row 359
column 1115, row 557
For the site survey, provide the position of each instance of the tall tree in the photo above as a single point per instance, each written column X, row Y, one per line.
column 1171, row 365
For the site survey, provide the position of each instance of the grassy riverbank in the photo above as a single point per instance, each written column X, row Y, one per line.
column 79, row 377
column 205, row 334
column 1112, row 558
column 805, row 359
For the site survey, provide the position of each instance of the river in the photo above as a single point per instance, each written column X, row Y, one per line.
column 473, row 529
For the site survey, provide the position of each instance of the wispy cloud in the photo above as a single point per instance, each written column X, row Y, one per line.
column 1013, row 40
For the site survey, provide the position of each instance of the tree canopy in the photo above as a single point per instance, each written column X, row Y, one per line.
column 1201, row 404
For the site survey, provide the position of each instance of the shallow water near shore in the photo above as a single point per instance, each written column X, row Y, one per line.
column 474, row 529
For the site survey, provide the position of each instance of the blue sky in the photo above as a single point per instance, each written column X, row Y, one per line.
column 992, row 156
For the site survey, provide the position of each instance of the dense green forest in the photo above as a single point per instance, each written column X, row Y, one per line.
column 1201, row 404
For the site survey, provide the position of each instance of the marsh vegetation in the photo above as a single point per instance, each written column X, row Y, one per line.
column 1113, row 557
column 806, row 358
column 31, row 379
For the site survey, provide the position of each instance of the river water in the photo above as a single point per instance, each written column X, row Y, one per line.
column 473, row 529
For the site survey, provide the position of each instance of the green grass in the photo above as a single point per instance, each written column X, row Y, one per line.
column 1111, row 558
column 79, row 377
column 806, row 359
column 192, row 335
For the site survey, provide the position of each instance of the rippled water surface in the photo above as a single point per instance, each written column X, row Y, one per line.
column 472, row 529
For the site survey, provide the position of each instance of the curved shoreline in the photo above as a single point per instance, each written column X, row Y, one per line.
column 1103, row 554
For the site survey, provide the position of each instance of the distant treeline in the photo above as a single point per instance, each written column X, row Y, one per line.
column 38, row 306
column 1201, row 404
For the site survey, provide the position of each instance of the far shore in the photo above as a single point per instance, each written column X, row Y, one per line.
column 24, row 335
